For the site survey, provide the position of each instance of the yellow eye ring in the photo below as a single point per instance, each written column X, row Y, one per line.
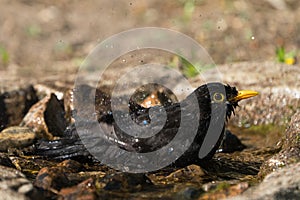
column 218, row 97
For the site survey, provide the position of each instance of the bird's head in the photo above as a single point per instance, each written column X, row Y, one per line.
column 233, row 96
column 220, row 95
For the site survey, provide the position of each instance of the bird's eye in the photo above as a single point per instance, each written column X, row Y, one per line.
column 218, row 97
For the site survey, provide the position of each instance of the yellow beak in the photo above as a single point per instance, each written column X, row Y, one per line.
column 244, row 94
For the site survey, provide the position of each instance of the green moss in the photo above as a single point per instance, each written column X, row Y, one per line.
column 188, row 10
column 33, row 30
column 188, row 69
column 4, row 55
column 222, row 186
column 298, row 138
column 267, row 128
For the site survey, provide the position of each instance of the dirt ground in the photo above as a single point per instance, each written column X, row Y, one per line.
column 41, row 38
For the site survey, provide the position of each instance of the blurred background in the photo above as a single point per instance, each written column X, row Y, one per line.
column 39, row 38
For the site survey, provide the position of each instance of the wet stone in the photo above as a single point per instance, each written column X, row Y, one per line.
column 15, row 104
column 225, row 190
column 189, row 193
column 16, row 137
column 69, row 106
column 126, row 182
column 51, row 179
column 226, row 171
column 54, row 85
column 46, row 118
column 290, row 152
column 84, row 190
column 5, row 161
column 30, row 166
column 187, row 173
column 180, row 179
column 278, row 97
column 55, row 178
column 281, row 184
column 14, row 185
column 293, row 133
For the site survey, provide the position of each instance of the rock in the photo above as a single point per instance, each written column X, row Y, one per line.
column 46, row 118
column 279, row 93
column 52, row 86
column 126, row 182
column 281, row 171
column 281, row 184
column 292, row 138
column 5, row 161
column 55, row 178
column 224, row 190
column 15, row 104
column 273, row 105
column 70, row 165
column 290, row 152
column 11, row 195
column 189, row 193
column 16, row 137
column 188, row 173
column 84, row 190
column 14, row 185
column 29, row 164
column 51, row 179
column 61, row 89
column 69, row 106
column 192, row 174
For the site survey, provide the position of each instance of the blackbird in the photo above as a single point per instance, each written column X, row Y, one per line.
column 208, row 108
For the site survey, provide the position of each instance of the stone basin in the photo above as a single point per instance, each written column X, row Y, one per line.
column 259, row 122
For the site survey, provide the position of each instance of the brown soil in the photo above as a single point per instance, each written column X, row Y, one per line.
column 53, row 38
